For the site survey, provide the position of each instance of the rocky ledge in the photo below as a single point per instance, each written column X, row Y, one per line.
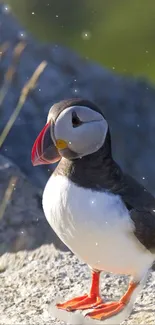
column 31, row 281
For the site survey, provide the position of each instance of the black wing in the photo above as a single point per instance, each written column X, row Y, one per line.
column 141, row 205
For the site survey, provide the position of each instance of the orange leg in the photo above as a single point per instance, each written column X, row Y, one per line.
column 91, row 300
column 106, row 310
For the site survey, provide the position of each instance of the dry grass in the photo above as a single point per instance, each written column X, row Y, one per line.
column 8, row 77
column 28, row 87
column 7, row 195
column 3, row 48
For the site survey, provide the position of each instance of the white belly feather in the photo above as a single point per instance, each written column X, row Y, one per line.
column 95, row 226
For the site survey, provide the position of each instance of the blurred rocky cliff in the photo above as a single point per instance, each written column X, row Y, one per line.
column 128, row 103
column 22, row 222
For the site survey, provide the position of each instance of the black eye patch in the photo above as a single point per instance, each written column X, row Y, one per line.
column 75, row 120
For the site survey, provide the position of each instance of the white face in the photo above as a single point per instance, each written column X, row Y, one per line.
column 82, row 129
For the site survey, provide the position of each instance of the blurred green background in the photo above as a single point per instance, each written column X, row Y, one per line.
column 118, row 34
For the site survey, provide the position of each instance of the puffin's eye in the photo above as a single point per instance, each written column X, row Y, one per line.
column 75, row 120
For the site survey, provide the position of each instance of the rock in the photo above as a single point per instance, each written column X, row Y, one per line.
column 23, row 225
column 128, row 103
column 32, row 281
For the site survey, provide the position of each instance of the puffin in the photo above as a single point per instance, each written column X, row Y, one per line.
column 103, row 215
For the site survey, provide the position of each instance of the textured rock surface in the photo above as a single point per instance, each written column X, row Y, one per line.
column 30, row 281
column 23, row 225
column 128, row 103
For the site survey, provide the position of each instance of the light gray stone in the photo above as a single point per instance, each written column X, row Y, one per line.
column 31, row 281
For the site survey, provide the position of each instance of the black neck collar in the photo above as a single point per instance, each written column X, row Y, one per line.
column 97, row 171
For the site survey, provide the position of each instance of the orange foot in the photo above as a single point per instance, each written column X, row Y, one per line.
column 87, row 301
column 106, row 310
column 81, row 303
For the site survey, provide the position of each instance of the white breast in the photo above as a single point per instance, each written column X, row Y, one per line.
column 95, row 226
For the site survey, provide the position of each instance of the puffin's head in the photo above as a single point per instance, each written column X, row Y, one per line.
column 75, row 128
